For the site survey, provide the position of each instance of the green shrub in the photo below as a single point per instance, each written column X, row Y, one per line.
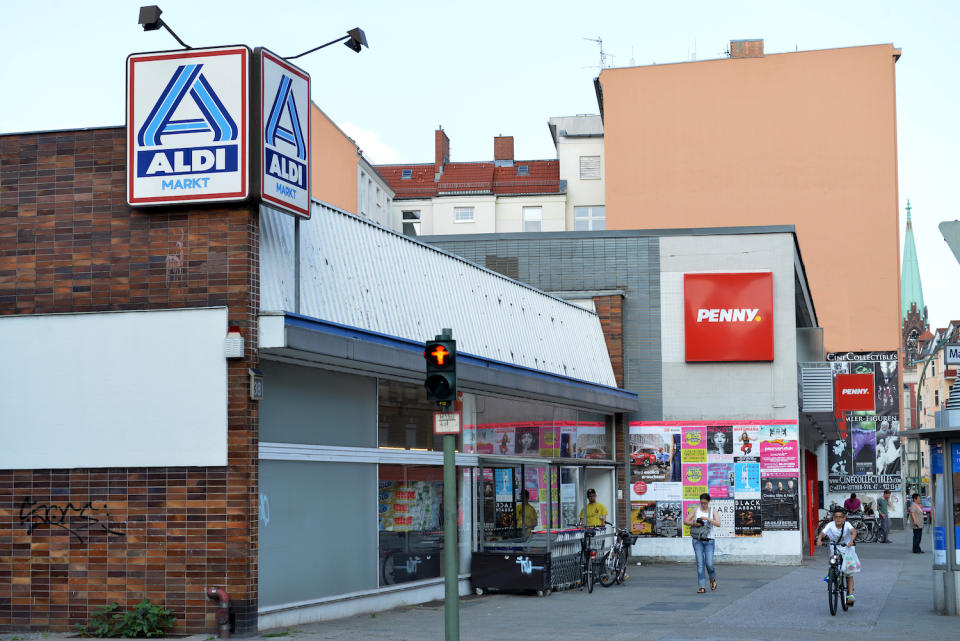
column 146, row 620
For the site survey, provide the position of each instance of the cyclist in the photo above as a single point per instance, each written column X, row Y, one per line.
column 839, row 531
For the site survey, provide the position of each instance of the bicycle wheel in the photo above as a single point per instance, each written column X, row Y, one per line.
column 590, row 579
column 609, row 569
column 832, row 591
column 842, row 591
column 622, row 570
column 822, row 524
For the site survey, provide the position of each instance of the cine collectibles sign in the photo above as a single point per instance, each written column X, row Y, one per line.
column 187, row 126
column 199, row 130
column 728, row 317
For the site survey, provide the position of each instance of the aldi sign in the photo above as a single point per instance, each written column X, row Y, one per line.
column 187, row 126
column 285, row 134
column 728, row 317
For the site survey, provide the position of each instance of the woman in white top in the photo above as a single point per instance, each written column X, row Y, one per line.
column 703, row 515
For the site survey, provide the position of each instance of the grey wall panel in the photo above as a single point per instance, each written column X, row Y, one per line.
column 316, row 406
column 631, row 264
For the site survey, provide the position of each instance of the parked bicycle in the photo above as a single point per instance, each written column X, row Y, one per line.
column 615, row 568
column 836, row 580
column 591, row 561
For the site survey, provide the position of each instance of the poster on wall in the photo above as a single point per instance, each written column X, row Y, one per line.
column 869, row 458
column 779, row 448
column 747, row 517
column 549, row 442
column 653, row 453
column 694, row 480
column 780, row 503
column 527, row 440
column 720, row 443
column 746, row 443
column 668, row 519
column 746, row 480
column 592, row 441
column 568, row 441
column 720, row 480
column 693, row 444
column 726, row 511
column 688, row 506
column 643, row 518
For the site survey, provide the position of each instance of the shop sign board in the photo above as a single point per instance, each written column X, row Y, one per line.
column 855, row 392
column 728, row 317
column 188, row 126
column 951, row 355
column 284, row 117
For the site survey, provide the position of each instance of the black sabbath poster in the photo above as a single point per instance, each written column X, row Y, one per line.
column 868, row 459
column 747, row 520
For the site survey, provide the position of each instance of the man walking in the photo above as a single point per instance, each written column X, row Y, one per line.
column 916, row 519
column 883, row 509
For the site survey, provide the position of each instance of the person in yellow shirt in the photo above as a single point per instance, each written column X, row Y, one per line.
column 596, row 512
column 526, row 515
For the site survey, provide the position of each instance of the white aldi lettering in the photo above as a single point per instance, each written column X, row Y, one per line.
column 285, row 127
column 187, row 126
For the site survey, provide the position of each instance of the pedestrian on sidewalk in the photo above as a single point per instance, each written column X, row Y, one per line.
column 916, row 519
column 701, row 519
column 883, row 509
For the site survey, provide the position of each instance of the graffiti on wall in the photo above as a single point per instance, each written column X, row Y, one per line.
column 78, row 521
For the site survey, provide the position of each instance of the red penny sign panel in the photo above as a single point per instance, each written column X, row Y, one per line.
column 855, row 393
column 728, row 317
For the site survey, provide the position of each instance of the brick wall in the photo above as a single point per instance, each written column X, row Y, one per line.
column 610, row 311
column 73, row 540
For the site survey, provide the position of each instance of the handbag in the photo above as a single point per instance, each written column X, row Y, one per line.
column 700, row 532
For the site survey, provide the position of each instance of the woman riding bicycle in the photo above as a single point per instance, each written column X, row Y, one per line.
column 839, row 531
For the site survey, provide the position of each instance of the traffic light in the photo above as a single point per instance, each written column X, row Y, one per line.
column 441, row 381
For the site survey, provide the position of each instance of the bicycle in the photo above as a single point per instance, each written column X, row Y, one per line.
column 589, row 563
column 836, row 580
column 616, row 559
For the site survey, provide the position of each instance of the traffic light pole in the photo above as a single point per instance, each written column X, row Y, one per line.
column 451, row 602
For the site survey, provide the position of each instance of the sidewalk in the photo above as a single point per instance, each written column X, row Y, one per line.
column 659, row 603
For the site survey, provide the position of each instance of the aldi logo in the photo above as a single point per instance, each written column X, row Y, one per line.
column 285, row 128
column 728, row 317
column 187, row 123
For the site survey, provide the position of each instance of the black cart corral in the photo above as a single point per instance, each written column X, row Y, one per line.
column 516, row 566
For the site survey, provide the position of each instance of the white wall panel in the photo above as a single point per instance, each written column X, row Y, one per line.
column 113, row 389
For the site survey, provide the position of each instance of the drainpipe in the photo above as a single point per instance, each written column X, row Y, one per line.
column 223, row 612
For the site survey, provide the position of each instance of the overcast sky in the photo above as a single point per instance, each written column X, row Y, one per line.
column 497, row 68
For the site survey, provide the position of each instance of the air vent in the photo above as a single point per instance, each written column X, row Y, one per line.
column 523, row 170
column 406, row 174
column 817, row 389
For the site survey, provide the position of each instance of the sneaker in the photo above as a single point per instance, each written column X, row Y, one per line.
column 850, row 599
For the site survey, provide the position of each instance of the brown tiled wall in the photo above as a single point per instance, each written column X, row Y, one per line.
column 610, row 311
column 70, row 243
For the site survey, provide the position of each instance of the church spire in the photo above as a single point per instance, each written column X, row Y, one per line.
column 911, row 290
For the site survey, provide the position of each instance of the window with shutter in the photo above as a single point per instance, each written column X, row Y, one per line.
column 589, row 167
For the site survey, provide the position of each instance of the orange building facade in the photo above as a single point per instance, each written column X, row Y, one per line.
column 806, row 138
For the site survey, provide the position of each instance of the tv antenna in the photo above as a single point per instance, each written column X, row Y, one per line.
column 603, row 54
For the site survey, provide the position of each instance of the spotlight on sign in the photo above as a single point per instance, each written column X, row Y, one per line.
column 150, row 20
column 357, row 39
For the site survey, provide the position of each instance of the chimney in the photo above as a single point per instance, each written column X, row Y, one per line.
column 441, row 151
column 746, row 48
column 502, row 148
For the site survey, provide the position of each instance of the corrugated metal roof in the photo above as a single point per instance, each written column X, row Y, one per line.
column 357, row 273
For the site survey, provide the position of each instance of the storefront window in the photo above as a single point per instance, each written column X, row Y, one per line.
column 405, row 417
column 517, row 503
column 410, row 521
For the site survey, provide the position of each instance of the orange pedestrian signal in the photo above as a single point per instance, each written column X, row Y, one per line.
column 441, row 379
column 439, row 355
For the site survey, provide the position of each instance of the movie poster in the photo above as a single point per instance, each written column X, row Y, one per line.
column 746, row 480
column 747, row 517
column 780, row 503
column 669, row 519
column 720, row 480
column 746, row 443
column 869, row 458
column 643, row 518
column 720, row 443
column 726, row 510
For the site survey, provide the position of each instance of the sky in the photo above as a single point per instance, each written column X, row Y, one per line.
column 481, row 70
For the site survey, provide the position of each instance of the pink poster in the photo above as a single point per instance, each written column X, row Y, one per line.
column 694, row 480
column 779, row 449
column 693, row 444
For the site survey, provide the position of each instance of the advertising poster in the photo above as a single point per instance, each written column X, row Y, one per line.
column 414, row 506
column 939, row 546
column 549, row 442
column 726, row 511
column 669, row 519
column 503, row 482
column 641, row 491
column 863, row 437
column 568, row 441
column 746, row 480
column 503, row 440
column 651, row 452
column 643, row 518
column 694, row 480
column 694, row 444
column 687, row 507
column 485, row 441
column 779, row 448
column 592, row 441
column 780, row 503
column 746, row 443
column 720, row 480
column 527, row 440
column 747, row 517
column 469, row 439
column 720, row 443
column 869, row 459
